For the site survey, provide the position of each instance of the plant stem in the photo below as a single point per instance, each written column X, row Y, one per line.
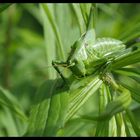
column 92, row 17
column 56, row 31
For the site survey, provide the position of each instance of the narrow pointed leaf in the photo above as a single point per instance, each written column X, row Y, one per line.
column 132, row 86
column 81, row 91
column 85, row 10
column 121, row 103
column 7, row 99
column 102, row 131
column 92, row 17
column 120, row 125
column 126, row 60
column 55, row 29
column 115, row 106
column 126, row 127
column 76, row 9
column 4, row 6
column 49, row 38
column 131, row 72
column 133, row 122
column 49, row 109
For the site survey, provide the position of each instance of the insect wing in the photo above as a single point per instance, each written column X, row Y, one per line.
column 108, row 46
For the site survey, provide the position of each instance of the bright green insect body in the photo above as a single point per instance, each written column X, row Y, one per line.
column 89, row 54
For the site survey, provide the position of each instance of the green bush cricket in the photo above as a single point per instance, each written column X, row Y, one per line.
column 88, row 55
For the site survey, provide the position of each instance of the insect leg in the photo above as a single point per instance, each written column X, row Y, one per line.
column 56, row 65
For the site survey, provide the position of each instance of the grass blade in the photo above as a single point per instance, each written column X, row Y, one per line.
column 61, row 53
column 120, row 125
column 133, row 122
column 49, row 44
column 80, row 94
column 4, row 6
column 132, row 86
column 115, row 106
column 131, row 72
column 131, row 33
column 103, row 101
column 119, row 104
column 80, row 20
column 92, row 17
column 126, row 127
column 126, row 60
column 7, row 99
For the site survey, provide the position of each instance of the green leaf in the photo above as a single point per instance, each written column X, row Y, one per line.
column 109, row 9
column 7, row 99
column 131, row 72
column 49, row 37
column 112, row 127
column 85, row 11
column 8, row 122
column 102, row 131
column 120, row 125
column 4, row 6
column 33, row 9
column 92, row 17
column 126, row 127
column 57, row 112
column 72, row 31
column 80, row 91
column 49, row 109
column 132, row 86
column 119, row 104
column 126, row 60
column 132, row 37
column 133, row 122
column 77, row 127
column 115, row 106
column 131, row 33
column 46, row 9
column 104, row 98
column 76, row 9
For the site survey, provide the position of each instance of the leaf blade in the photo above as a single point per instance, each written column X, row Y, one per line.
column 87, row 87
column 55, row 29
column 126, row 60
column 4, row 6
column 45, row 118
column 7, row 99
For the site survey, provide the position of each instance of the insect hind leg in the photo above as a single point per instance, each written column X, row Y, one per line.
column 56, row 65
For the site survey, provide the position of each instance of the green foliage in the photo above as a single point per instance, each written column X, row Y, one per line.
column 4, row 6
column 11, row 102
column 105, row 103
column 47, row 122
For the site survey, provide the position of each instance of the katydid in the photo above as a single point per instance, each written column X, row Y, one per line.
column 89, row 54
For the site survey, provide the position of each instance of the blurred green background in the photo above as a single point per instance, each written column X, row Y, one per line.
column 26, row 38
